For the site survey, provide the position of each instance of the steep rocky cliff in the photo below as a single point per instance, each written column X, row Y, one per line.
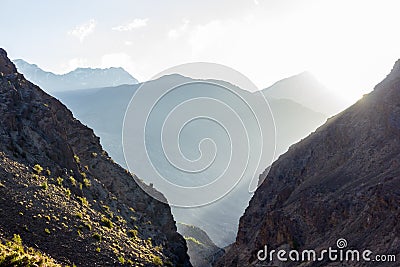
column 343, row 181
column 65, row 196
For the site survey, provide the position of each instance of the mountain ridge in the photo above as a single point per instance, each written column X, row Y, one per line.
column 308, row 91
column 202, row 250
column 80, row 78
column 340, row 182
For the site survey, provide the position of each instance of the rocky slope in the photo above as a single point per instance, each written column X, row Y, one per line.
column 202, row 250
column 343, row 181
column 13, row 253
column 81, row 78
column 65, row 196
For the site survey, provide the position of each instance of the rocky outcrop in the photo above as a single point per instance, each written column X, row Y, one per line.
column 343, row 181
column 6, row 67
column 65, row 196
column 202, row 250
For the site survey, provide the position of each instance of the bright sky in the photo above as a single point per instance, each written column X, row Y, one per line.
column 349, row 45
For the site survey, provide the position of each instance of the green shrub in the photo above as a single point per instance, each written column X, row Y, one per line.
column 157, row 260
column 72, row 180
column 13, row 253
column 17, row 239
column 38, row 169
column 148, row 242
column 120, row 219
column 86, row 182
column 83, row 201
column 121, row 259
column 68, row 192
column 44, row 185
column 59, row 181
column 194, row 240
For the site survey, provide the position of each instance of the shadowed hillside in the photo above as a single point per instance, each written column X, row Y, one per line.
column 343, row 181
column 62, row 193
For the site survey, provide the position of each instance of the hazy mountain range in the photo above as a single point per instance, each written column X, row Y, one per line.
column 306, row 90
column 103, row 109
column 81, row 78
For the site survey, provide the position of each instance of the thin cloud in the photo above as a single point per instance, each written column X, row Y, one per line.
column 134, row 24
column 177, row 32
column 82, row 31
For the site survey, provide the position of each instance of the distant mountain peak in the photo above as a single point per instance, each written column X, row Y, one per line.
column 80, row 78
column 20, row 61
column 303, row 77
column 305, row 89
